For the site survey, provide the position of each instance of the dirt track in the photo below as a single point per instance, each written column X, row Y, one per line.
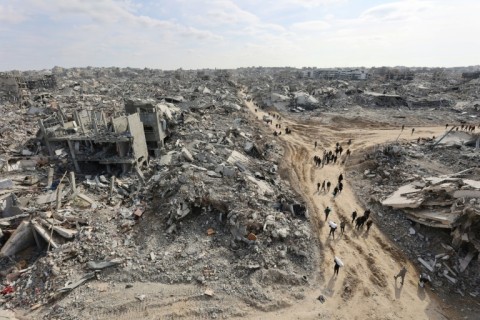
column 365, row 287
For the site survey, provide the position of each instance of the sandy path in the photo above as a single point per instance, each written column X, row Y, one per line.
column 365, row 287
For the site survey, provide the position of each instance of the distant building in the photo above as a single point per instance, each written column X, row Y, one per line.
column 16, row 88
column 471, row 75
column 335, row 74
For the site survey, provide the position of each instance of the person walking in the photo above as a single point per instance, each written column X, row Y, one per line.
column 315, row 144
column 424, row 279
column 327, row 212
column 336, row 268
column 354, row 216
column 329, row 184
column 369, row 224
column 333, row 228
column 323, row 185
column 342, row 226
column 401, row 274
column 366, row 214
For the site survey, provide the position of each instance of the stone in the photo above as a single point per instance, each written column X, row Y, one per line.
column 251, row 237
column 187, row 155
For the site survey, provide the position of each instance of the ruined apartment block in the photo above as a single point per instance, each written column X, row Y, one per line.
column 154, row 118
column 16, row 88
column 118, row 143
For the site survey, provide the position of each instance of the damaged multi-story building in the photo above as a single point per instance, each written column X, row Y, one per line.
column 16, row 88
column 121, row 144
column 155, row 118
column 92, row 139
column 13, row 88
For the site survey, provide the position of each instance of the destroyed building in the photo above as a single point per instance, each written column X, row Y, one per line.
column 214, row 211
column 332, row 74
column 13, row 88
column 90, row 138
column 471, row 75
column 155, row 119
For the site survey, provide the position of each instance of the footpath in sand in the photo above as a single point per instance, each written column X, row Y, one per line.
column 365, row 288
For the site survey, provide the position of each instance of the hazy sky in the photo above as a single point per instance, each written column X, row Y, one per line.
column 190, row 34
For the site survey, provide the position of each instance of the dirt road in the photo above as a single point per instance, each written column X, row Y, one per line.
column 365, row 287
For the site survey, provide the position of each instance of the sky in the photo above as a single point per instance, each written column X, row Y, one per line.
column 195, row 34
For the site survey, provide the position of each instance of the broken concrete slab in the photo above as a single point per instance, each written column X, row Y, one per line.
column 466, row 194
column 426, row 264
column 465, row 261
column 69, row 286
column 187, row 155
column 50, row 197
column 100, row 265
column 21, row 239
column 6, row 184
column 64, row 232
column 44, row 234
column 407, row 196
column 437, row 218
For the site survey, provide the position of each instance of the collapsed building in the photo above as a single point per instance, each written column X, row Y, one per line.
column 382, row 99
column 217, row 211
column 217, row 180
column 17, row 88
column 156, row 120
column 91, row 138
column 13, row 88
column 446, row 202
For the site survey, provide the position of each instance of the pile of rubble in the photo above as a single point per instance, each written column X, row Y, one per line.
column 428, row 213
column 400, row 96
column 187, row 176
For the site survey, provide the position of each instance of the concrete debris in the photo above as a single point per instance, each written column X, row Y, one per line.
column 100, row 265
column 176, row 184
column 429, row 191
column 173, row 159
column 434, row 200
column 70, row 286
column 209, row 292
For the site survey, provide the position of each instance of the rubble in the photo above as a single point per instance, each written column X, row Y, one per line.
column 424, row 206
column 115, row 189
column 121, row 175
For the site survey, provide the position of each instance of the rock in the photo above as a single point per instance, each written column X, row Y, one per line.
column 209, row 292
column 6, row 184
column 228, row 171
column 282, row 232
column 140, row 297
column 187, row 155
column 213, row 174
column 99, row 265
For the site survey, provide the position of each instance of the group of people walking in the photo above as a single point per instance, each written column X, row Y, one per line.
column 326, row 185
column 330, row 156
